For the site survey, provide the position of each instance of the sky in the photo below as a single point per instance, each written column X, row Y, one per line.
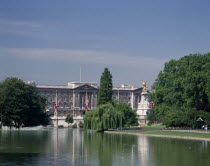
column 48, row 41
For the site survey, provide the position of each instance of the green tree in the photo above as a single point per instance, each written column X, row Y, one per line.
column 181, row 92
column 129, row 117
column 81, row 124
column 105, row 91
column 151, row 116
column 108, row 116
column 69, row 119
column 21, row 105
column 102, row 118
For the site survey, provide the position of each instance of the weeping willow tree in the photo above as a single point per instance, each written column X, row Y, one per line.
column 108, row 116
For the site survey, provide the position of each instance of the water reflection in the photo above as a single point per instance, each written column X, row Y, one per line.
column 180, row 152
column 56, row 147
column 143, row 150
column 110, row 149
column 67, row 145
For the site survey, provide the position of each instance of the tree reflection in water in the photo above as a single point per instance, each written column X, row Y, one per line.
column 109, row 147
column 181, row 152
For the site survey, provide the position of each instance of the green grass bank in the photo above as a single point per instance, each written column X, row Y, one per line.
column 156, row 130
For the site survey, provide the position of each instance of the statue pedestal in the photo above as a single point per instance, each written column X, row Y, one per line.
column 143, row 108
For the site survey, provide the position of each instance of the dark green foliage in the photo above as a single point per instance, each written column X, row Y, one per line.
column 105, row 91
column 105, row 146
column 149, row 123
column 151, row 116
column 81, row 124
column 129, row 117
column 74, row 126
column 69, row 119
column 21, row 105
column 108, row 116
column 181, row 92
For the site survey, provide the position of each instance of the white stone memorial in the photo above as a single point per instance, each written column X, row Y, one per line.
column 143, row 105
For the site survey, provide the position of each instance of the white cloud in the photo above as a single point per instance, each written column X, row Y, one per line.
column 18, row 27
column 86, row 56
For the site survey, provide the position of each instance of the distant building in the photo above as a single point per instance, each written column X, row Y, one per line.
column 130, row 95
column 76, row 97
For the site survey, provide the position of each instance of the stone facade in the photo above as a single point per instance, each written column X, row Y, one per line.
column 128, row 94
column 72, row 97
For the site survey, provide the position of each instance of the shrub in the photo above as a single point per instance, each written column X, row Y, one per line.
column 149, row 123
column 60, row 126
column 69, row 119
column 81, row 124
column 74, row 125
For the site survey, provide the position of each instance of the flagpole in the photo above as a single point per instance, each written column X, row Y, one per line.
column 80, row 74
column 56, row 107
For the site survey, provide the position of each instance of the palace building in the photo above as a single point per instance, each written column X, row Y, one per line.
column 76, row 97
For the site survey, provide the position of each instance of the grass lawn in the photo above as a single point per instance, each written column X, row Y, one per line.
column 181, row 134
column 156, row 130
column 152, row 127
column 145, row 127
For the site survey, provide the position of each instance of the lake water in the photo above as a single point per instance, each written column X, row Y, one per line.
column 66, row 147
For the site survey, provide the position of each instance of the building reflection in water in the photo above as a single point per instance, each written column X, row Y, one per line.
column 68, row 146
column 57, row 147
column 143, row 150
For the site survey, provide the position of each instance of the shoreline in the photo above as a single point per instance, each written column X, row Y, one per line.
column 156, row 135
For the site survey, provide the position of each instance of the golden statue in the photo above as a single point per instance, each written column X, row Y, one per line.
column 145, row 89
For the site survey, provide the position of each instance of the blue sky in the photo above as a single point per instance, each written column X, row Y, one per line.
column 48, row 40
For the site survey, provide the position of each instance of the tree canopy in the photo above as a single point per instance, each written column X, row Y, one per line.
column 105, row 90
column 69, row 119
column 21, row 105
column 181, row 92
column 110, row 116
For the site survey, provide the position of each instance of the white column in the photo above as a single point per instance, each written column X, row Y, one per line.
column 73, row 100
column 83, row 99
column 131, row 100
column 96, row 99
column 91, row 100
column 78, row 99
